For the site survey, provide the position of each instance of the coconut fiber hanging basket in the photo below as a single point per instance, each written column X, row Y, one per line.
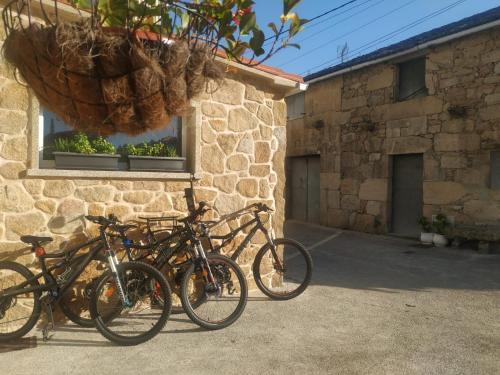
column 106, row 80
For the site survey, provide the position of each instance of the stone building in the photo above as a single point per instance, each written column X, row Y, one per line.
column 409, row 130
column 233, row 140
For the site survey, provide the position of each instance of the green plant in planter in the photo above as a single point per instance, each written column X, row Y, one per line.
column 425, row 224
column 440, row 223
column 102, row 146
column 153, row 149
column 81, row 144
column 63, row 145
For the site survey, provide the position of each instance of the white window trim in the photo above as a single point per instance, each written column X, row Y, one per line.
column 191, row 149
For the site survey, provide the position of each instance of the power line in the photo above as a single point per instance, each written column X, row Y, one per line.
column 348, row 33
column 315, row 18
column 308, row 26
column 339, row 22
column 393, row 34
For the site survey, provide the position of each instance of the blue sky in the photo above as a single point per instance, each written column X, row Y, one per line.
column 319, row 43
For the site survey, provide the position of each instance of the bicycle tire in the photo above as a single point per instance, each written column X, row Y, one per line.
column 160, row 283
column 84, row 301
column 37, row 308
column 307, row 275
column 190, row 308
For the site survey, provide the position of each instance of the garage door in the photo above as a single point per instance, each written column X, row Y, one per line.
column 304, row 189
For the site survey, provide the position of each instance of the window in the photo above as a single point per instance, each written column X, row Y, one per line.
column 51, row 128
column 495, row 170
column 412, row 79
column 295, row 106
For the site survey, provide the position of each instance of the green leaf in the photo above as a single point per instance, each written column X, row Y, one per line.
column 288, row 5
column 247, row 23
column 273, row 27
column 184, row 20
column 257, row 41
column 294, row 45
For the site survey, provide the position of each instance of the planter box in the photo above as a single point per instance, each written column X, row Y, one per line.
column 156, row 164
column 73, row 160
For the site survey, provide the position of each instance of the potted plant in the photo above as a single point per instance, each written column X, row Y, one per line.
column 426, row 236
column 440, row 224
column 154, row 156
column 79, row 152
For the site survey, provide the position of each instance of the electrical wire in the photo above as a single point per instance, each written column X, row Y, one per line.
column 392, row 34
column 315, row 18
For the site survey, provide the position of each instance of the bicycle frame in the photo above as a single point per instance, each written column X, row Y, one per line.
column 230, row 236
column 51, row 284
column 50, row 281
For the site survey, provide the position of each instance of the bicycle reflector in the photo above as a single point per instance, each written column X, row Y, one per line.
column 39, row 251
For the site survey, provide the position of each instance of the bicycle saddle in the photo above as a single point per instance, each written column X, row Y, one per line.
column 36, row 240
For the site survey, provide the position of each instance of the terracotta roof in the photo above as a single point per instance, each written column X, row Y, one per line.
column 268, row 69
column 280, row 73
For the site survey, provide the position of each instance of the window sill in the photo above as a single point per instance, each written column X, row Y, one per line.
column 110, row 175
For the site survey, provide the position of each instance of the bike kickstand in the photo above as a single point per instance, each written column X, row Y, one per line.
column 49, row 326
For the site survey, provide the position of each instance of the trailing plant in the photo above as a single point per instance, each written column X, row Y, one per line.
column 440, row 223
column 425, row 224
column 164, row 51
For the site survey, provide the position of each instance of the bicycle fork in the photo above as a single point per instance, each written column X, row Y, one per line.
column 113, row 265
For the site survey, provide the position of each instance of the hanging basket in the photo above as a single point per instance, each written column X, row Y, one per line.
column 106, row 80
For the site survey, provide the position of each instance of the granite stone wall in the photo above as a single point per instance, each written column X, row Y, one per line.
column 365, row 125
column 241, row 160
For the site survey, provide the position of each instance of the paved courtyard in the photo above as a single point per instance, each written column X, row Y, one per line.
column 377, row 305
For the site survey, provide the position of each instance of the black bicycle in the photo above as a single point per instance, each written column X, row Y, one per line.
column 282, row 267
column 211, row 288
column 123, row 299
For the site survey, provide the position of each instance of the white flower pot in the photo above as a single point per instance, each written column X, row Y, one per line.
column 426, row 238
column 439, row 240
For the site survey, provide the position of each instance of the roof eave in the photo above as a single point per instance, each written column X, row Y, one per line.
column 409, row 51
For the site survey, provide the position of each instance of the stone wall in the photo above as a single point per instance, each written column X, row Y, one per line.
column 242, row 161
column 365, row 125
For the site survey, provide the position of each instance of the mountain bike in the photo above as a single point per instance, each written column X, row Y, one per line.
column 211, row 288
column 118, row 299
column 282, row 267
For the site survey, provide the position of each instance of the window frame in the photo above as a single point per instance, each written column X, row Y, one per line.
column 191, row 150
column 298, row 115
column 425, row 89
column 50, row 164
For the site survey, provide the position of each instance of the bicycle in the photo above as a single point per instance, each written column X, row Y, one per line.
column 282, row 267
column 123, row 286
column 201, row 280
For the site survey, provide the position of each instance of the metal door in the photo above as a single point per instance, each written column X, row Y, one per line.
column 407, row 194
column 304, row 189
column 313, row 190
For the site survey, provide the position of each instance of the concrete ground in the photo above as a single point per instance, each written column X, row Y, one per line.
column 377, row 305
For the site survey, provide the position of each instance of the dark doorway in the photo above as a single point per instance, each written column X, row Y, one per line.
column 407, row 194
column 304, row 189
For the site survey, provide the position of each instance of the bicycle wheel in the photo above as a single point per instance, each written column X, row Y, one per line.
column 285, row 276
column 76, row 300
column 142, row 317
column 174, row 273
column 224, row 302
column 18, row 314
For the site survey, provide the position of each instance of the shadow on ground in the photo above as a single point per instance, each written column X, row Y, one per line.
column 387, row 264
